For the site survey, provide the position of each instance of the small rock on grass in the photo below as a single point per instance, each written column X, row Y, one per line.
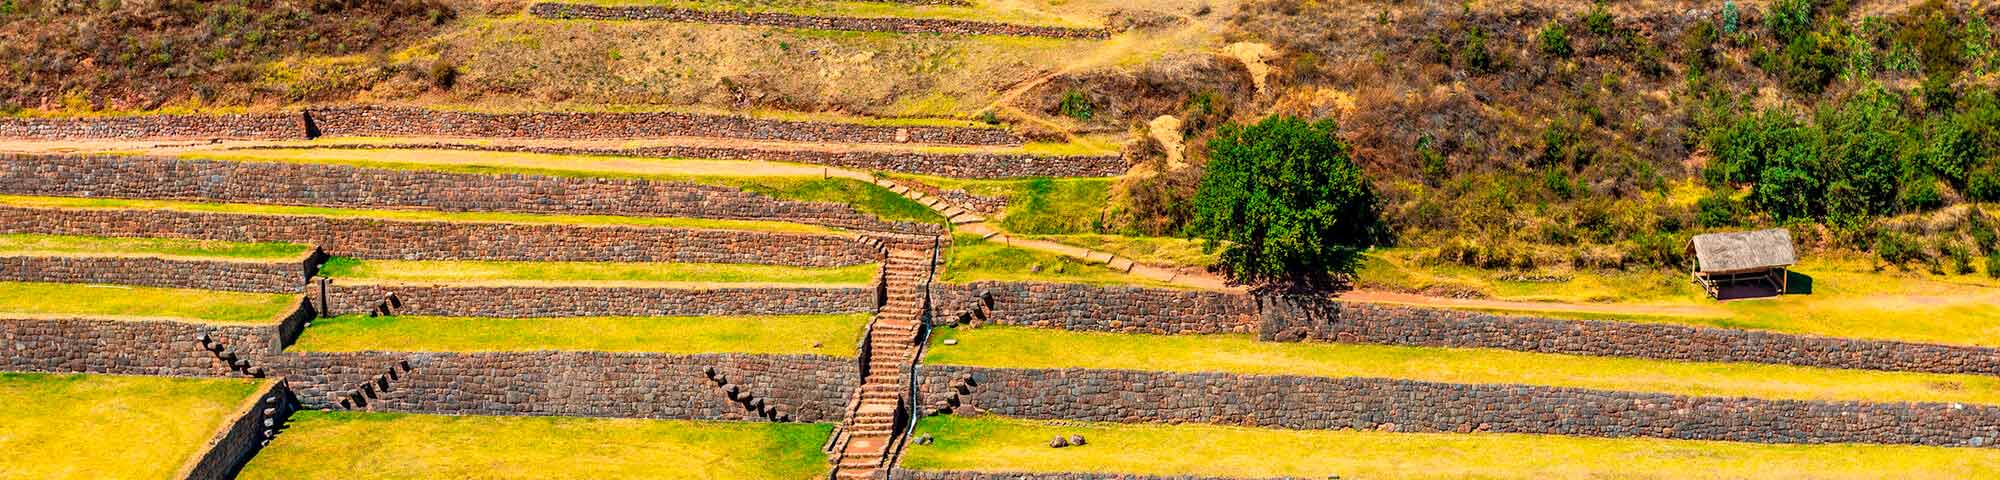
column 951, row 341
column 1059, row 442
column 1076, row 439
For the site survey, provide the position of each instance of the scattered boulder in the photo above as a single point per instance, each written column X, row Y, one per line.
column 951, row 341
column 1059, row 442
column 1076, row 440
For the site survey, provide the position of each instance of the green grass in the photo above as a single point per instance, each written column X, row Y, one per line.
column 1020, row 347
column 1848, row 298
column 578, row 272
column 60, row 245
column 863, row 196
column 971, row 259
column 1039, row 205
column 407, row 215
column 776, row 334
column 118, row 301
column 364, row 446
column 1159, row 251
column 104, row 426
column 1002, row 444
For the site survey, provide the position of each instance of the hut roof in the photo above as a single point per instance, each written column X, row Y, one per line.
column 1736, row 251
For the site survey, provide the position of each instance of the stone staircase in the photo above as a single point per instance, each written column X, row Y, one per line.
column 867, row 441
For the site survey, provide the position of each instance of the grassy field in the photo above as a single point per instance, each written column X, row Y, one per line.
column 1020, row 347
column 787, row 185
column 105, row 426
column 364, row 446
column 1848, row 298
column 65, row 245
column 465, row 272
column 1037, row 206
column 777, row 334
column 971, row 259
column 1164, row 252
column 1001, row 444
column 119, row 301
column 407, row 215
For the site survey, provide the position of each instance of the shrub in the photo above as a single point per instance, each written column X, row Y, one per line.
column 1075, row 105
column 1433, row 163
column 1961, row 260
column 1477, row 57
column 989, row 118
column 1993, row 265
column 1984, row 185
column 1921, row 194
column 1732, row 18
column 1289, row 200
column 1789, row 19
column 1896, row 249
column 443, row 74
column 1600, row 21
column 1717, row 210
column 1555, row 40
column 1808, row 63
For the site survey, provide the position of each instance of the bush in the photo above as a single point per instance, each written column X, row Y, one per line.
column 1289, row 201
column 1732, row 18
column 1984, row 185
column 1993, row 265
column 1600, row 21
column 443, row 74
column 1808, row 63
column 1555, row 40
column 1790, row 19
column 1477, row 57
column 1075, row 105
column 1717, row 210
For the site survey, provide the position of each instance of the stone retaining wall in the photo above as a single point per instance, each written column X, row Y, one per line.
column 235, row 276
column 577, row 384
column 564, row 301
column 1082, row 307
column 1297, row 402
column 812, row 22
column 425, row 240
column 352, row 187
column 139, row 347
column 241, row 438
column 1163, row 311
column 402, row 121
column 958, row 165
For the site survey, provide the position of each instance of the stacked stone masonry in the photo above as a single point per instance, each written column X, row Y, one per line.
column 235, row 276
column 374, row 121
column 423, row 240
column 812, row 22
column 958, row 165
column 1296, row 402
column 1161, row 311
column 520, row 302
column 351, row 187
column 579, row 384
column 244, row 436
column 811, row 388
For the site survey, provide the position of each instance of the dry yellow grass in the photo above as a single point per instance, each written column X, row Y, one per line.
column 56, row 426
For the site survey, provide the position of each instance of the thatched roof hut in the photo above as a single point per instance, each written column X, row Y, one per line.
column 1733, row 259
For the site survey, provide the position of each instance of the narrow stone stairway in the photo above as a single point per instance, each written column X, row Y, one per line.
column 884, row 404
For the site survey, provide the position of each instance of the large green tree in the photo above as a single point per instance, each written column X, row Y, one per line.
column 1285, row 202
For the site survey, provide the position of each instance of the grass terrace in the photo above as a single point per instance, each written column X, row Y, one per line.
column 30, row 244
column 998, row 13
column 972, row 259
column 1848, row 298
column 407, row 215
column 777, row 334
column 104, row 426
column 1021, row 347
column 36, row 299
column 364, row 446
column 785, row 181
column 1011, row 445
column 572, row 273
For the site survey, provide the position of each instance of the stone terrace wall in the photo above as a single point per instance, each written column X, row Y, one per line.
column 377, row 121
column 588, row 384
column 399, row 121
column 907, row 474
column 351, row 187
column 249, row 126
column 467, row 301
column 241, row 438
column 959, row 165
column 1411, row 406
column 813, row 22
column 1083, row 307
column 124, row 347
column 387, row 239
column 1162, row 311
column 1400, row 325
column 236, row 276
